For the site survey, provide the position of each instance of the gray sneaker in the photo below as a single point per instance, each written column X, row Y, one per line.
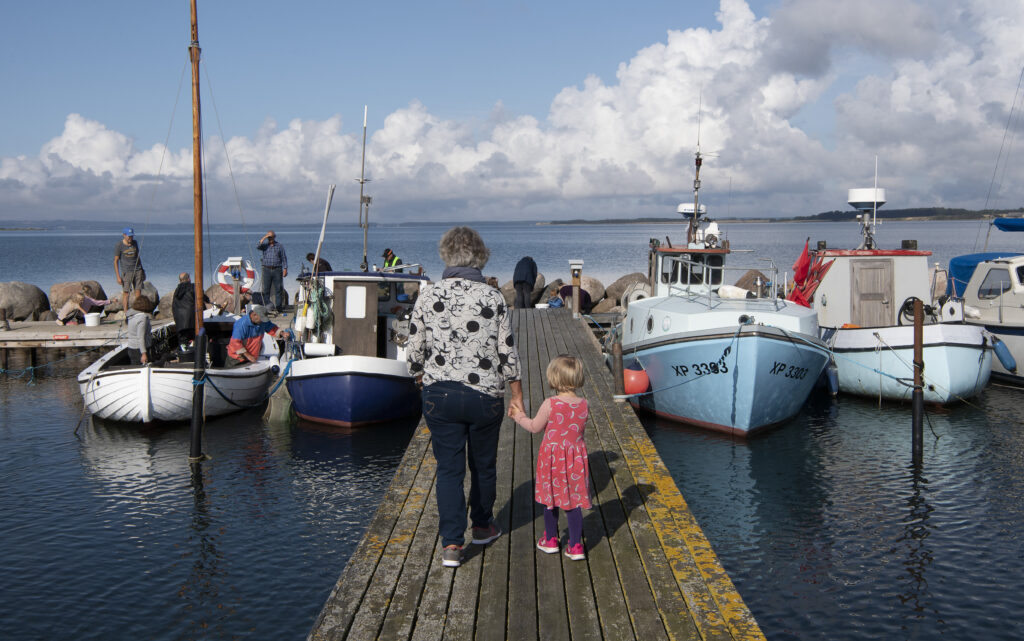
column 451, row 556
column 484, row 535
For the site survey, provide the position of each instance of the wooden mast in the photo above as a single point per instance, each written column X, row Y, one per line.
column 197, row 172
column 199, row 358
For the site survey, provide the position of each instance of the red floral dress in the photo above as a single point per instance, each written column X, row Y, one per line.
column 563, row 472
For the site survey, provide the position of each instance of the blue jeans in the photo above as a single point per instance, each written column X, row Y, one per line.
column 273, row 283
column 458, row 415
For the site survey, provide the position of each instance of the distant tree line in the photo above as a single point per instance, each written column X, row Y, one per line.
column 931, row 213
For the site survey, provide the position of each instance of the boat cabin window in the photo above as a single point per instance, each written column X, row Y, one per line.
column 694, row 271
column 996, row 282
column 405, row 292
column 355, row 302
column 1020, row 274
column 669, row 270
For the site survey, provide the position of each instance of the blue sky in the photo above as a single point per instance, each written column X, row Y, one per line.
column 539, row 110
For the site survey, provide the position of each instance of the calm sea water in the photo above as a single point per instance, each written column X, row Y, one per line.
column 824, row 527
column 608, row 251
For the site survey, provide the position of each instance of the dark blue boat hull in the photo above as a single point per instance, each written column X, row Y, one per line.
column 354, row 398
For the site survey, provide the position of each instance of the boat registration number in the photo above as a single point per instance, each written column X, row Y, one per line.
column 702, row 369
column 789, row 371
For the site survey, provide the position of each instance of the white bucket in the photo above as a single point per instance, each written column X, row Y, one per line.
column 92, row 319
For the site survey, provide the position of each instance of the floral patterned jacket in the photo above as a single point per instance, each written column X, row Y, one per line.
column 461, row 331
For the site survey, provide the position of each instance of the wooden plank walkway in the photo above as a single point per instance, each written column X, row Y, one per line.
column 650, row 573
column 48, row 334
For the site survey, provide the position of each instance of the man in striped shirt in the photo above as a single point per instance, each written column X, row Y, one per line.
column 275, row 269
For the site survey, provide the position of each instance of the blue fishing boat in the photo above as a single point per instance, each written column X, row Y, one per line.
column 717, row 356
column 352, row 369
column 354, row 326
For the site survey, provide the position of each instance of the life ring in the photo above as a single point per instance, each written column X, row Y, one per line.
column 227, row 281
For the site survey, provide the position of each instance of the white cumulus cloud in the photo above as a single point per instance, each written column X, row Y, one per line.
column 928, row 86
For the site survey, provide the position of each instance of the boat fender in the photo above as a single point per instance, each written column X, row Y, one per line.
column 1004, row 355
column 635, row 381
column 832, row 372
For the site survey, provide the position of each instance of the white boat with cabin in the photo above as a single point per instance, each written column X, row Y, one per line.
column 864, row 300
column 987, row 290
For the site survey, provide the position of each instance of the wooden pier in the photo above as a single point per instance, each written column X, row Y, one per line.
column 650, row 573
column 48, row 334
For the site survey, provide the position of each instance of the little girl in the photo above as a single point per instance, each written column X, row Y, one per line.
column 563, row 475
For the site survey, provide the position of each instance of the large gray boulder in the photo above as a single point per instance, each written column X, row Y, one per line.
column 223, row 299
column 615, row 290
column 163, row 308
column 149, row 293
column 62, row 292
column 594, row 287
column 508, row 291
column 22, row 300
column 538, row 288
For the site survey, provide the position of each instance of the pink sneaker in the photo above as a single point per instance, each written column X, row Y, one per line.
column 548, row 546
column 575, row 552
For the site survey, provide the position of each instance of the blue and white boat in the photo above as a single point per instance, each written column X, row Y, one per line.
column 717, row 356
column 864, row 298
column 353, row 369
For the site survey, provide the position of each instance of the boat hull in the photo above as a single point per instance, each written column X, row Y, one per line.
column 147, row 393
column 352, row 390
column 877, row 362
column 735, row 380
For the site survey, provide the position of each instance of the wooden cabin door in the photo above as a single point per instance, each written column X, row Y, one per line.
column 355, row 318
column 871, row 292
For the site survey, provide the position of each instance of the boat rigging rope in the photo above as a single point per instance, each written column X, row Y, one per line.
column 231, row 173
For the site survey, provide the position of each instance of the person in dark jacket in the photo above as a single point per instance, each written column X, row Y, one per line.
column 523, row 279
column 183, row 309
column 320, row 265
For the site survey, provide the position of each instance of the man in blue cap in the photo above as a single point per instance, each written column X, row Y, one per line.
column 128, row 266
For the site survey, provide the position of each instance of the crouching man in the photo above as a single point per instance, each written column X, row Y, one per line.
column 247, row 337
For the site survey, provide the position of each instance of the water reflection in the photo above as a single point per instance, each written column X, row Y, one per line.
column 216, row 549
column 917, row 553
column 828, row 531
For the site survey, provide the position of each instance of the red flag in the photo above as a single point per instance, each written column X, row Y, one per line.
column 801, row 265
column 797, row 296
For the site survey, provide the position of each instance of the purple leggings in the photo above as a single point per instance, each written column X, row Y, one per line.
column 575, row 517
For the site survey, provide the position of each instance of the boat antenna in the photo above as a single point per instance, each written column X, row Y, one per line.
column 874, row 199
column 691, row 233
column 364, row 200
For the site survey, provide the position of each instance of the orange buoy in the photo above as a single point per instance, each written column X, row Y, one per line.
column 635, row 381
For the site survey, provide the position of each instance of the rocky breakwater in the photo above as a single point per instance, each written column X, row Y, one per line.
column 611, row 299
column 22, row 301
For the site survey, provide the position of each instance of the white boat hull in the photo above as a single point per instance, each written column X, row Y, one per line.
column 146, row 393
column 878, row 361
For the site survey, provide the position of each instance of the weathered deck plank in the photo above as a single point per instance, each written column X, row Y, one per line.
column 649, row 574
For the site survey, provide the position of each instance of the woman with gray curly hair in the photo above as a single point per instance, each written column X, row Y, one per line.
column 461, row 344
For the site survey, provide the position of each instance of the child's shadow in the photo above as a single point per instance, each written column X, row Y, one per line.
column 605, row 517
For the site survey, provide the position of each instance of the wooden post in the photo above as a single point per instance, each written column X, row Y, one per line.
column 195, row 452
column 620, row 385
column 917, row 399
